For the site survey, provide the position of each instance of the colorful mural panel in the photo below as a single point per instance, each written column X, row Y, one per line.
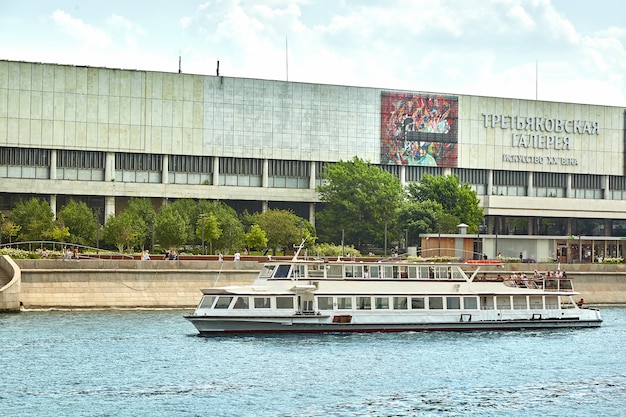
column 419, row 129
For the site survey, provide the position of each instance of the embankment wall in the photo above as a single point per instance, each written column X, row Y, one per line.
column 51, row 283
column 125, row 283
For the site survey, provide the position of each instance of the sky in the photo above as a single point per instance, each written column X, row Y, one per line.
column 555, row 50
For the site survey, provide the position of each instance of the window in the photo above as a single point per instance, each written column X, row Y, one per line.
column 453, row 303
column 435, row 303
column 519, row 303
column 470, row 303
column 267, row 271
column 261, row 302
column 364, row 303
column 417, row 303
column 138, row 162
column 189, row 163
column 382, row 303
column 284, row 302
column 207, row 301
column 241, row 166
column 400, row 303
column 242, row 303
column 374, row 272
column 24, row 156
column 282, row 271
column 344, row 303
column 223, row 302
column 325, row 303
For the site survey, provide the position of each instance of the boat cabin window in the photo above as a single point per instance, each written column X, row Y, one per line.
column 242, row 303
column 536, row 302
column 374, row 271
column 417, row 303
column 390, row 271
column 364, row 303
column 424, row 272
column 470, row 303
column 284, row 302
column 453, row 303
column 565, row 285
column 325, row 303
column 519, row 303
column 334, row 271
column 344, row 303
column 382, row 303
column 435, row 303
column 552, row 302
column 503, row 302
column 223, row 302
column 262, row 302
column 400, row 303
column 207, row 301
column 282, row 271
column 353, row 271
column 267, row 271
column 551, row 285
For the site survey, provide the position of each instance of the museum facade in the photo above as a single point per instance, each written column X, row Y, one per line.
column 104, row 135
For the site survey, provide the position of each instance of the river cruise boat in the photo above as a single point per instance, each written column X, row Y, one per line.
column 300, row 296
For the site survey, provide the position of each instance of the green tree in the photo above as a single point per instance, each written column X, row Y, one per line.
column 144, row 209
column 256, row 238
column 127, row 230
column 232, row 230
column 35, row 219
column 80, row 221
column 8, row 229
column 208, row 229
column 456, row 199
column 171, row 227
column 359, row 199
column 283, row 228
column 189, row 210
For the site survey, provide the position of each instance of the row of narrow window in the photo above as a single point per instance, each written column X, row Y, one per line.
column 14, row 156
column 380, row 303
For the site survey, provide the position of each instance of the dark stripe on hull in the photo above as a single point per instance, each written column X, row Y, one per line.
column 271, row 328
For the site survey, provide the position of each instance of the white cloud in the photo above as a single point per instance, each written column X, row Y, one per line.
column 79, row 30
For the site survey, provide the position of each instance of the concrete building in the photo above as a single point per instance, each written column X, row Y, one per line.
column 105, row 135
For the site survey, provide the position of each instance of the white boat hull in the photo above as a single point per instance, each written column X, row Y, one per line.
column 215, row 326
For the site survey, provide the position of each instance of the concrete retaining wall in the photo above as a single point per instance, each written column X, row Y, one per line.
column 125, row 283
column 10, row 284
column 176, row 284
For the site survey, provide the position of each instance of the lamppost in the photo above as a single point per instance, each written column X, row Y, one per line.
column 203, row 247
column 439, row 239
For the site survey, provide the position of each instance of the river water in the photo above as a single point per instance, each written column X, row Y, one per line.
column 153, row 363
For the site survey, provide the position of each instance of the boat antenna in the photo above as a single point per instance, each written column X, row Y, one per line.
column 295, row 255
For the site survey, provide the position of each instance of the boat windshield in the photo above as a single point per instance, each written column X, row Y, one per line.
column 267, row 271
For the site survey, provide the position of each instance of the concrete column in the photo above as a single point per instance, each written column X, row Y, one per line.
column 264, row 206
column 312, row 213
column 489, row 182
column 568, row 189
column 53, row 204
column 569, row 226
column 607, row 192
column 216, row 170
column 530, row 192
column 109, row 167
column 266, row 168
column 165, row 170
column 53, row 164
column 109, row 207
column 312, row 175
